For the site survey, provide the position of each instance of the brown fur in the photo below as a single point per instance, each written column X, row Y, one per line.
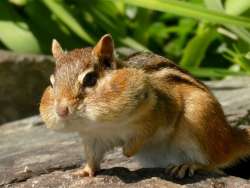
column 148, row 102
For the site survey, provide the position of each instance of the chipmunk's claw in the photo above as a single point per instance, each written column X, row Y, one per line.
column 180, row 171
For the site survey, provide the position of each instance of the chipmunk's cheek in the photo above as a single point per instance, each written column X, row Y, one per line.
column 47, row 110
column 90, row 112
column 91, row 109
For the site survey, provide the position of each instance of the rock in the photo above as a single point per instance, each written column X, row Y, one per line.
column 33, row 156
column 23, row 79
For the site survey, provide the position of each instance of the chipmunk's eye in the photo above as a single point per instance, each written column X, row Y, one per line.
column 90, row 79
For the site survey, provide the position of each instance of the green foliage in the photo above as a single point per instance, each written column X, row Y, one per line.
column 191, row 10
column 59, row 10
column 10, row 21
column 197, row 47
column 210, row 38
column 236, row 7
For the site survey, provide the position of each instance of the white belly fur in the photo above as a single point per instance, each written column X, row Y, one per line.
column 160, row 152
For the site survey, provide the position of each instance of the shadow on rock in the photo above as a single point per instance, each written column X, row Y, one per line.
column 240, row 169
column 128, row 176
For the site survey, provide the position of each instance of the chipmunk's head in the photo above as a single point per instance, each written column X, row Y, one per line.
column 87, row 86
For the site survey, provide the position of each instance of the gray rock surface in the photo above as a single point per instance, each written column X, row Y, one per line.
column 33, row 156
column 234, row 95
column 23, row 79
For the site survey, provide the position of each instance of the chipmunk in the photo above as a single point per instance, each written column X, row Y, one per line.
column 146, row 104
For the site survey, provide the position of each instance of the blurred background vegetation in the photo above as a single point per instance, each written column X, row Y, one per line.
column 210, row 38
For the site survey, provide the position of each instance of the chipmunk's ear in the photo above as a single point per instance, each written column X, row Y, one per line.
column 104, row 51
column 56, row 49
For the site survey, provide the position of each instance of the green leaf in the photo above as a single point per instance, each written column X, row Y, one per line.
column 241, row 32
column 196, row 47
column 190, row 10
column 236, row 7
column 236, row 57
column 14, row 32
column 112, row 9
column 132, row 43
column 217, row 5
column 18, row 2
column 105, row 22
column 143, row 20
column 214, row 5
column 36, row 10
column 111, row 24
column 159, row 32
column 66, row 17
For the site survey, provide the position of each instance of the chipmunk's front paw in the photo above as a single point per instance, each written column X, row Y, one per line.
column 180, row 171
column 87, row 171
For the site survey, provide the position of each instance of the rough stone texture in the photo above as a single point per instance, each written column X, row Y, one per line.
column 33, row 156
column 23, row 79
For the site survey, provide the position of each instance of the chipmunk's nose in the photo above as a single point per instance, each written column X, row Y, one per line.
column 62, row 111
